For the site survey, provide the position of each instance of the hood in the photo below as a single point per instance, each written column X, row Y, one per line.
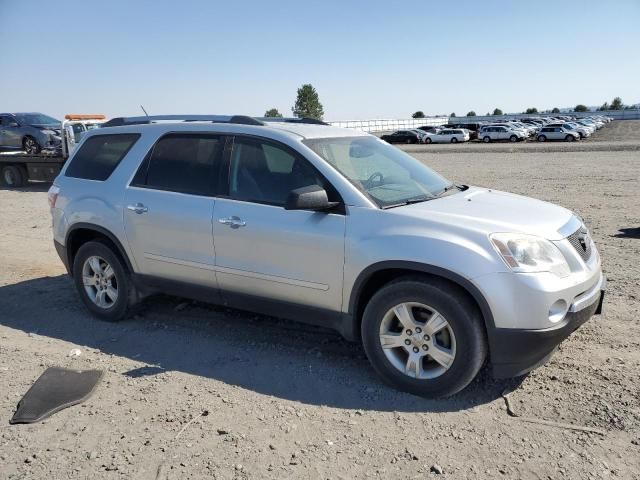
column 491, row 211
column 51, row 126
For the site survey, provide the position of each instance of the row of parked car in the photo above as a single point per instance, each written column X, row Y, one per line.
column 542, row 129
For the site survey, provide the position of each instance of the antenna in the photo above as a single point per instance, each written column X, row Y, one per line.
column 145, row 112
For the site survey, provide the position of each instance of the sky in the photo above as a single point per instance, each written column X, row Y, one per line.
column 367, row 59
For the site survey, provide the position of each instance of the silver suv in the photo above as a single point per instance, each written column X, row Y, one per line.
column 329, row 226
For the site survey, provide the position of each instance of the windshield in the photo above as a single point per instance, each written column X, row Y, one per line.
column 35, row 119
column 387, row 175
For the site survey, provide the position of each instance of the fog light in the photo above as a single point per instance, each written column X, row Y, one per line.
column 557, row 311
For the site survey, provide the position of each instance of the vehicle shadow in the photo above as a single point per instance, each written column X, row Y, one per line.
column 633, row 232
column 270, row 356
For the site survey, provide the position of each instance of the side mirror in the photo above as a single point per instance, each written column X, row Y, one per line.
column 13, row 124
column 313, row 197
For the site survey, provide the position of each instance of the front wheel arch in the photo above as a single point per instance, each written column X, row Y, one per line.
column 379, row 274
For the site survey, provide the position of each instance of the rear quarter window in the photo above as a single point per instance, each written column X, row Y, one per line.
column 99, row 155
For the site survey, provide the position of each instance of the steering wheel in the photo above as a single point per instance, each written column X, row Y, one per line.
column 372, row 182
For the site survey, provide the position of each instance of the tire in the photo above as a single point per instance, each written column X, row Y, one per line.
column 513, row 138
column 30, row 145
column 464, row 331
column 112, row 311
column 13, row 176
column 569, row 138
column 542, row 138
column 454, row 140
column 486, row 139
column 428, row 140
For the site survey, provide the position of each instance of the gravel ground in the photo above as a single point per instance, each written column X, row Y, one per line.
column 194, row 391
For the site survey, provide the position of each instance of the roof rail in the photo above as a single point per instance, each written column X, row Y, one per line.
column 238, row 119
column 312, row 121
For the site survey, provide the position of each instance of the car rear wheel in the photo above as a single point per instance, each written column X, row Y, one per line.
column 424, row 336
column 13, row 176
column 103, row 281
column 428, row 140
column 542, row 138
column 569, row 138
column 513, row 138
column 454, row 140
column 486, row 139
column 30, row 145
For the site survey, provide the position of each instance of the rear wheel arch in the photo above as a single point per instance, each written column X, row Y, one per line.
column 372, row 278
column 81, row 233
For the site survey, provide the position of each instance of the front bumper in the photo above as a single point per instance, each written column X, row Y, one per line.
column 515, row 352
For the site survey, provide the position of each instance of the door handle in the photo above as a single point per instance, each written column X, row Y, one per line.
column 233, row 222
column 138, row 208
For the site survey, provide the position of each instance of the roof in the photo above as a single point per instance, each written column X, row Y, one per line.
column 277, row 129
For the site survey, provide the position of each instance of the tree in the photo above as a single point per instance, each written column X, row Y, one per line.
column 307, row 103
column 555, row 110
column 418, row 114
column 603, row 107
column 452, row 114
column 273, row 113
column 581, row 108
column 471, row 114
column 532, row 110
column 497, row 111
column 616, row 104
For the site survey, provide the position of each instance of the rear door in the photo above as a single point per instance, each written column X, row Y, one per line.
column 169, row 205
column 263, row 250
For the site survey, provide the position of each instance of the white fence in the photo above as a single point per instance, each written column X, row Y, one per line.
column 384, row 125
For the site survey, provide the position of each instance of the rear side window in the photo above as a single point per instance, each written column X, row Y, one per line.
column 98, row 157
column 184, row 163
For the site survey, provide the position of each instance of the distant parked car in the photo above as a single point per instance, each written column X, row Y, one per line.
column 557, row 133
column 490, row 133
column 430, row 128
column 401, row 136
column 422, row 135
column 583, row 131
column 446, row 135
column 31, row 132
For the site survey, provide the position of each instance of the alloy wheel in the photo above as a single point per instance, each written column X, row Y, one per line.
column 417, row 340
column 100, row 283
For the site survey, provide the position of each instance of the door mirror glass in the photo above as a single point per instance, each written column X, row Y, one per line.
column 313, row 197
column 13, row 124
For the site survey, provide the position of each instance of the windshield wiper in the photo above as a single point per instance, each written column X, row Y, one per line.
column 408, row 202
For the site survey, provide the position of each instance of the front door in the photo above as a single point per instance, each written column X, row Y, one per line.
column 169, row 207
column 263, row 250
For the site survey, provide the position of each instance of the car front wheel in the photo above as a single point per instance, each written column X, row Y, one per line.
column 103, row 281
column 31, row 146
column 513, row 138
column 424, row 336
column 569, row 138
column 542, row 138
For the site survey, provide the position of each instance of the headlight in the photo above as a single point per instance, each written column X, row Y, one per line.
column 529, row 254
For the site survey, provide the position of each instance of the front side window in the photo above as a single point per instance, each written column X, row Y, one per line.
column 264, row 172
column 183, row 163
column 384, row 173
column 99, row 155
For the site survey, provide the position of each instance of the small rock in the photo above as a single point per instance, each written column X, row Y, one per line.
column 329, row 442
column 437, row 469
column 74, row 352
column 222, row 431
column 272, row 446
column 92, row 455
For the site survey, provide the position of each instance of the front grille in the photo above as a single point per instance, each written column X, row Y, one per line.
column 581, row 242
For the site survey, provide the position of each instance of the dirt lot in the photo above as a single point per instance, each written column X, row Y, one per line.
column 290, row 401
